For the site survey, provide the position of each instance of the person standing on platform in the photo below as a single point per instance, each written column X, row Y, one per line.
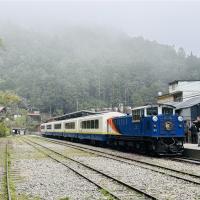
column 193, row 130
column 198, row 130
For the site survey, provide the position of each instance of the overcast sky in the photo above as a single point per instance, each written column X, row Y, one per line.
column 168, row 22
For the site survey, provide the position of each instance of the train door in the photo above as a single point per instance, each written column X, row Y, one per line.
column 137, row 119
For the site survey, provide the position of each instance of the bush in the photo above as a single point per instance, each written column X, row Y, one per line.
column 4, row 131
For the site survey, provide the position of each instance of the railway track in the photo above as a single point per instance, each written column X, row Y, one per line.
column 113, row 186
column 185, row 176
column 7, row 175
column 187, row 160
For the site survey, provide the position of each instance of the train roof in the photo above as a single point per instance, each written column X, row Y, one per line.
column 76, row 114
column 153, row 105
column 89, row 116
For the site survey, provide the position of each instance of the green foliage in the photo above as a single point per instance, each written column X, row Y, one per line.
column 4, row 131
column 107, row 195
column 8, row 98
column 86, row 68
column 20, row 122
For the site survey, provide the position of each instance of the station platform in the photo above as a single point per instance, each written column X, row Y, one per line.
column 192, row 151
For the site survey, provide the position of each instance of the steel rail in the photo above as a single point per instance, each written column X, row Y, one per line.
column 81, row 175
column 187, row 160
column 97, row 171
column 7, row 175
column 117, row 158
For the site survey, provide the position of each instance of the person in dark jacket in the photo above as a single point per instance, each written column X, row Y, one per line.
column 193, row 130
column 198, row 130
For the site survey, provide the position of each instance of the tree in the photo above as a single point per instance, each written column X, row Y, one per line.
column 181, row 52
column 88, row 68
column 4, row 131
column 9, row 98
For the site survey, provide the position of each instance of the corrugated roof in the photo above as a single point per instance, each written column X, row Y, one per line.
column 187, row 103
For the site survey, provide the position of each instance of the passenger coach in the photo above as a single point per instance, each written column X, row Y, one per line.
column 94, row 127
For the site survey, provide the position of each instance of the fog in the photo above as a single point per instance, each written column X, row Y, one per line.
column 168, row 22
column 58, row 55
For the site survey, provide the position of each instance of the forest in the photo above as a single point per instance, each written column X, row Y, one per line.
column 83, row 67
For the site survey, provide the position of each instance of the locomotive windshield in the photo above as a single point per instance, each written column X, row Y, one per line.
column 167, row 111
column 152, row 111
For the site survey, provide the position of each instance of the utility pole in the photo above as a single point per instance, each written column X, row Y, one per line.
column 50, row 111
column 125, row 97
column 99, row 87
column 77, row 105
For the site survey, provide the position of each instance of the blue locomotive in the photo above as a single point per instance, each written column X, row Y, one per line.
column 152, row 128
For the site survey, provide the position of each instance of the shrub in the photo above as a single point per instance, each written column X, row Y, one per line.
column 4, row 131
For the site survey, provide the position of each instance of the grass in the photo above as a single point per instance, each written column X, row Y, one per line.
column 3, row 195
column 65, row 198
column 106, row 194
column 14, row 194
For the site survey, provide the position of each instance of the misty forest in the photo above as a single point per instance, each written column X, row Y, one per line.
column 81, row 67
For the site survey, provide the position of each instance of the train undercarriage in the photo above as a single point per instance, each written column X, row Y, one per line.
column 151, row 146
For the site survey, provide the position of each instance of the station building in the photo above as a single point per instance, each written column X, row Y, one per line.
column 184, row 95
column 180, row 91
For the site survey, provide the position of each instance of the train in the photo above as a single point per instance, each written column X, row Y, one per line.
column 152, row 129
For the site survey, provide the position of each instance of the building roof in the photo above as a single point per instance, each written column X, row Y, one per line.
column 74, row 115
column 2, row 108
column 187, row 103
column 176, row 81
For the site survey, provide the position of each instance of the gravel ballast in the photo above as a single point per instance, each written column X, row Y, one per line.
column 162, row 186
column 46, row 179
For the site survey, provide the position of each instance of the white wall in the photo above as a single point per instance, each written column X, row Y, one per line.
column 189, row 88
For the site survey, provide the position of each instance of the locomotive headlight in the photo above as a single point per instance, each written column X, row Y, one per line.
column 155, row 118
column 180, row 119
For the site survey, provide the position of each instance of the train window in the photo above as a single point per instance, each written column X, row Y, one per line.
column 152, row 111
column 42, row 127
column 84, row 125
column 88, row 124
column 96, row 124
column 49, row 126
column 167, row 111
column 92, row 124
column 137, row 114
column 70, row 125
column 57, row 126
